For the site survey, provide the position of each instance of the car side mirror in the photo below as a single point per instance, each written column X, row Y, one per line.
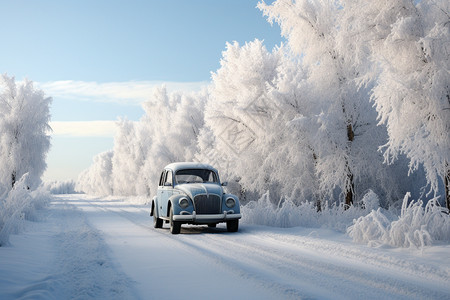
column 224, row 183
column 167, row 184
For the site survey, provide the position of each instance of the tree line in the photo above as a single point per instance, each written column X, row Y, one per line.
column 356, row 99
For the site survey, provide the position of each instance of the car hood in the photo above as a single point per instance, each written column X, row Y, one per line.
column 193, row 189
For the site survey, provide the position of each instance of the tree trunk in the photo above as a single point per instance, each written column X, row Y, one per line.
column 13, row 179
column 349, row 193
column 318, row 201
column 447, row 185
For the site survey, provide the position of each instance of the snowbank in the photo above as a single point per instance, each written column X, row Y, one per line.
column 18, row 205
column 417, row 226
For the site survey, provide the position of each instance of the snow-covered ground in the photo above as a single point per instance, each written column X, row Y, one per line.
column 86, row 247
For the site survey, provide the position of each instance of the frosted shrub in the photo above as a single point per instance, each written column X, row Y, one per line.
column 417, row 226
column 289, row 214
column 286, row 214
column 370, row 201
column 18, row 205
column 369, row 229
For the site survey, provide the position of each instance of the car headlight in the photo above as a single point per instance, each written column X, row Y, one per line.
column 183, row 202
column 230, row 202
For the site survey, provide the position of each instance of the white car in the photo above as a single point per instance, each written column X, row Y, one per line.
column 191, row 193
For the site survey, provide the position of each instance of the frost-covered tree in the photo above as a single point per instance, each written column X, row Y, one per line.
column 249, row 123
column 409, row 40
column 239, row 113
column 413, row 94
column 166, row 133
column 346, row 137
column 24, row 128
column 96, row 180
column 300, row 120
column 172, row 121
column 128, row 158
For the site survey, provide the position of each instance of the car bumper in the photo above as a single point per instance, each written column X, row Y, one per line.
column 187, row 217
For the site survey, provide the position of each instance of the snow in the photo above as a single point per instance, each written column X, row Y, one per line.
column 105, row 248
column 298, row 150
column 18, row 205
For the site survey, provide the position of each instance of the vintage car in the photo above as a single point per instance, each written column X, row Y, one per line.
column 191, row 193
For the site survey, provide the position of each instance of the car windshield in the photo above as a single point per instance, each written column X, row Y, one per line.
column 195, row 176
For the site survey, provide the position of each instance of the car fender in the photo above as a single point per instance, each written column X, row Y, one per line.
column 177, row 209
column 236, row 208
column 154, row 207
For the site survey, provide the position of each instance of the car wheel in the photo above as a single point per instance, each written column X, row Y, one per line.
column 233, row 225
column 157, row 222
column 175, row 227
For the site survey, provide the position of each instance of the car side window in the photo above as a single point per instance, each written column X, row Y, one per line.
column 161, row 179
column 168, row 178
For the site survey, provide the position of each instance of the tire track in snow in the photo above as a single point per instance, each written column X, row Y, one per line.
column 308, row 274
column 257, row 272
column 292, row 265
column 83, row 267
column 368, row 256
column 259, row 280
column 168, row 240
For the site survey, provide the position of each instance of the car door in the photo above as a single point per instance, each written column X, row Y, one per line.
column 164, row 192
column 160, row 194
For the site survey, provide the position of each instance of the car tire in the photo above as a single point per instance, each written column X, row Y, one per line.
column 233, row 225
column 175, row 227
column 157, row 222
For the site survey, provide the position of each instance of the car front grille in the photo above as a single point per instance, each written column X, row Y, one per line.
column 207, row 204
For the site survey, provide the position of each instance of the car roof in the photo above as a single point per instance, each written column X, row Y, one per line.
column 189, row 165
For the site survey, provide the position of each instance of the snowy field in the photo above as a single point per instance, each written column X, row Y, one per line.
column 85, row 247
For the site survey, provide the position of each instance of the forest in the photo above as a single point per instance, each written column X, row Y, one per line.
column 346, row 124
column 357, row 99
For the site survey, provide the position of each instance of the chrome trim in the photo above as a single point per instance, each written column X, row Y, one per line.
column 226, row 202
column 215, row 217
column 197, row 202
column 181, row 199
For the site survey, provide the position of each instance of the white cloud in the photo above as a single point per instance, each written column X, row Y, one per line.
column 83, row 128
column 129, row 93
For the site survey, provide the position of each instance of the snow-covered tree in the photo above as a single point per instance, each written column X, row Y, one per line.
column 300, row 120
column 413, row 94
column 346, row 136
column 166, row 133
column 238, row 101
column 24, row 128
column 172, row 121
column 409, row 41
column 96, row 180
column 128, row 158
column 255, row 96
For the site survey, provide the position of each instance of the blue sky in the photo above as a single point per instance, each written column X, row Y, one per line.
column 100, row 59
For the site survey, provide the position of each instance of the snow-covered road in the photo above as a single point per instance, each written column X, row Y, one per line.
column 105, row 248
